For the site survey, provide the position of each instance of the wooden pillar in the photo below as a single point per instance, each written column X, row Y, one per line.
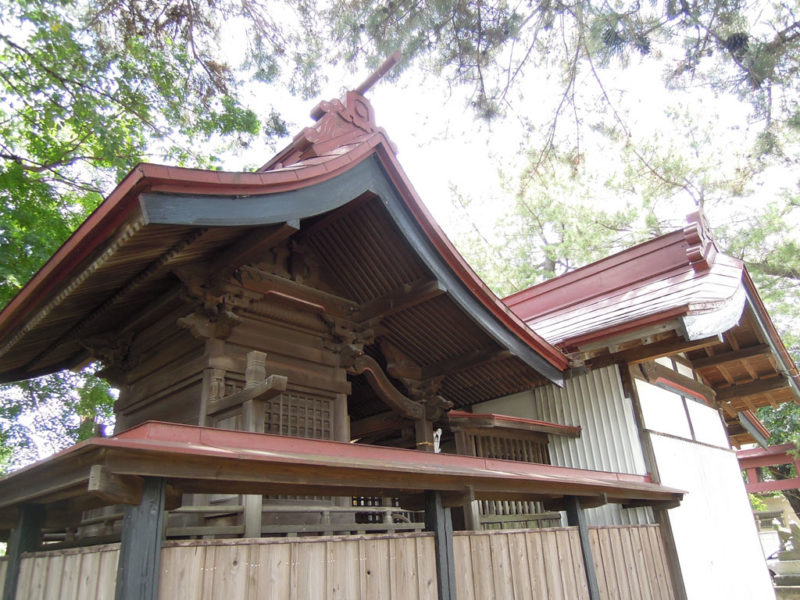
column 423, row 431
column 140, row 550
column 439, row 521
column 577, row 518
column 254, row 413
column 25, row 537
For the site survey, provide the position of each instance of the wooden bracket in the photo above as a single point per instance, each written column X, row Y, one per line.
column 380, row 383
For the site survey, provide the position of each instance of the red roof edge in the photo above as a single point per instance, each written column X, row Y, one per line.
column 460, row 267
column 690, row 246
column 772, row 333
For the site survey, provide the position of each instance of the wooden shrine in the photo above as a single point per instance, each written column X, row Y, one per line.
column 286, row 342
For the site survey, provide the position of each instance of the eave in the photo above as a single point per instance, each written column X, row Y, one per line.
column 206, row 460
column 177, row 206
column 673, row 295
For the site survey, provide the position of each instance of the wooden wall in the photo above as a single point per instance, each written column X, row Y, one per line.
column 522, row 564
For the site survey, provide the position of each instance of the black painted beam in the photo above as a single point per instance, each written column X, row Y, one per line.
column 438, row 520
column 140, row 550
column 25, row 537
column 576, row 517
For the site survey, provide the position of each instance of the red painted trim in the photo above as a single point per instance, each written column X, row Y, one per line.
column 180, row 442
column 681, row 389
column 620, row 271
column 509, row 419
column 773, row 486
column 779, row 450
column 750, row 286
column 609, row 332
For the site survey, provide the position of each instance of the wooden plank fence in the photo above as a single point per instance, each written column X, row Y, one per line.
column 630, row 562
column 500, row 564
column 522, row 564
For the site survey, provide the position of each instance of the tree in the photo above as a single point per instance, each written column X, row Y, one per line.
column 491, row 46
column 87, row 90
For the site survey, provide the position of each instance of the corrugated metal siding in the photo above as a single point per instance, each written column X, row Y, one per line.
column 609, row 440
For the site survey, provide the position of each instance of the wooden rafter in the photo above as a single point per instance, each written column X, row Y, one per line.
column 469, row 360
column 408, row 296
column 731, row 356
column 754, row 388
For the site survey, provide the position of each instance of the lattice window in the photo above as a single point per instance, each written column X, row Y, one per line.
column 299, row 415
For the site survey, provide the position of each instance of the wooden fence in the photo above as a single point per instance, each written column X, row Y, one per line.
column 521, row 564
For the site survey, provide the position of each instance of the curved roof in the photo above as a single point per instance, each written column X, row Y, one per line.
column 675, row 275
column 675, row 293
column 161, row 218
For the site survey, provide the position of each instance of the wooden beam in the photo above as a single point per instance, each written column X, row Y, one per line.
column 469, row 360
column 663, row 348
column 25, row 537
column 406, row 297
column 755, row 388
column 729, row 357
column 576, row 517
column 273, row 386
column 140, row 548
column 662, row 376
column 249, row 248
column 265, row 283
column 113, row 488
column 439, row 520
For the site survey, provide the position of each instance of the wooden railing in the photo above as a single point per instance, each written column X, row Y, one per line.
column 226, row 521
column 523, row 564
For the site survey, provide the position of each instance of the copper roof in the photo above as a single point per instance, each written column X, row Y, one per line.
column 677, row 290
column 341, row 183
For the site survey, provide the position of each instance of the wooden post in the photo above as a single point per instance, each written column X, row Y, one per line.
column 472, row 511
column 439, row 521
column 24, row 538
column 423, row 430
column 253, row 411
column 577, row 518
column 140, row 550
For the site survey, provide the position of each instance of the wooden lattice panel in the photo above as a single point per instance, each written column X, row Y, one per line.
column 506, row 446
column 299, row 415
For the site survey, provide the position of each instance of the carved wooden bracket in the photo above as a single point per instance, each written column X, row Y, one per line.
column 381, row 385
column 204, row 327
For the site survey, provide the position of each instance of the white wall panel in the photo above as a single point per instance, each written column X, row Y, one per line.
column 707, row 424
column 663, row 410
column 714, row 531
